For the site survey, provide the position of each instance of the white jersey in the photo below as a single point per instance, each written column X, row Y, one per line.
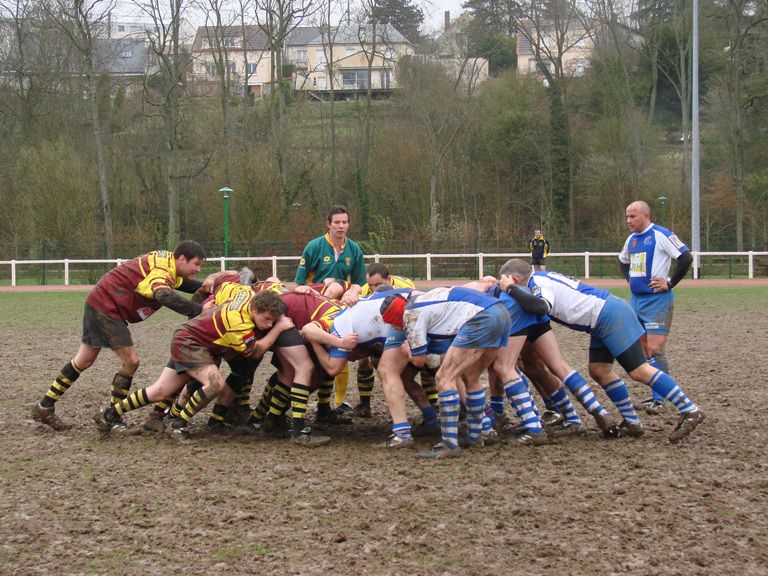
column 440, row 314
column 649, row 254
column 572, row 303
column 364, row 319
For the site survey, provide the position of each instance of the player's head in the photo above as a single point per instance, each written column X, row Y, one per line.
column 537, row 232
column 189, row 256
column 638, row 216
column 266, row 309
column 514, row 271
column 338, row 222
column 392, row 309
column 376, row 274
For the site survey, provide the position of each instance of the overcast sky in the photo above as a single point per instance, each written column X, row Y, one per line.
column 434, row 10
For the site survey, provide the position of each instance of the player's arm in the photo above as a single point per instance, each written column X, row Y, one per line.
column 259, row 347
column 332, row 366
column 169, row 298
column 624, row 270
column 546, row 247
column 190, row 285
column 682, row 265
column 316, row 334
column 306, row 265
column 528, row 302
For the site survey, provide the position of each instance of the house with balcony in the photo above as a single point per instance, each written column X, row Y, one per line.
column 347, row 59
column 242, row 52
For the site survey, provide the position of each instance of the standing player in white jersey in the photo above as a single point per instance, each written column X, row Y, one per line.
column 645, row 262
column 615, row 334
column 478, row 325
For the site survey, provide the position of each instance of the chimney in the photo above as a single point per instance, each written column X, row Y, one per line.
column 447, row 20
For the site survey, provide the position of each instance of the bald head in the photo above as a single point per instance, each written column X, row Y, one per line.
column 514, row 271
column 638, row 216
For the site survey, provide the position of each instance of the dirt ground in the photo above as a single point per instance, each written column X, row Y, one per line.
column 72, row 503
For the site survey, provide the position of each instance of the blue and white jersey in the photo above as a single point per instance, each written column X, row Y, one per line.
column 572, row 303
column 650, row 254
column 440, row 313
column 364, row 319
column 520, row 318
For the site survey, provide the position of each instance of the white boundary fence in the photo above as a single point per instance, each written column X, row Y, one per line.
column 429, row 258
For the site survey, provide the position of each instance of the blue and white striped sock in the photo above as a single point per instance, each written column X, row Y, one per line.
column 522, row 403
column 402, row 429
column 497, row 403
column 475, row 413
column 450, row 404
column 664, row 385
column 561, row 403
column 618, row 392
column 429, row 414
column 578, row 386
column 660, row 363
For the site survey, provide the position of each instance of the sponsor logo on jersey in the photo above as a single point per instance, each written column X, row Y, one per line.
column 145, row 313
column 648, row 240
column 676, row 241
column 348, row 260
column 326, row 259
column 249, row 341
column 302, row 262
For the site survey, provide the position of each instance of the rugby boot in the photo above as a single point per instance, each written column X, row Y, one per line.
column 688, row 423
column 604, row 422
column 48, row 417
column 362, row 410
column 106, row 418
column 530, row 439
column 551, row 418
column 395, row 442
column 651, row 406
column 310, row 440
column 490, row 437
column 567, row 430
column 439, row 451
column 154, row 422
column 627, row 429
column 177, row 429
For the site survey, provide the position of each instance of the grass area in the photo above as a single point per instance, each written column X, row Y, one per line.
column 714, row 299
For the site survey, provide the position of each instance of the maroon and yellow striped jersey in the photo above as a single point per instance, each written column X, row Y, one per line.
column 127, row 291
column 306, row 308
column 225, row 327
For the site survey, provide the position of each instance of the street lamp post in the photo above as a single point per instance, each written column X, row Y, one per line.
column 226, row 191
column 662, row 201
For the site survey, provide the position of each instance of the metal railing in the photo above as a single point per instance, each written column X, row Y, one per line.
column 582, row 264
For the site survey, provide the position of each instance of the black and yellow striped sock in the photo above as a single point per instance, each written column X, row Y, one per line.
column 324, row 395
column 365, row 382
column 217, row 414
column 299, row 398
column 175, row 410
column 427, row 377
column 280, row 400
column 67, row 376
column 121, row 387
column 244, row 398
column 162, row 406
column 134, row 401
column 197, row 402
column 262, row 408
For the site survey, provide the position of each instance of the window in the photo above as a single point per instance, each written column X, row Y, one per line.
column 320, row 57
column 210, row 69
column 229, row 42
column 389, row 54
column 120, row 28
column 251, row 69
column 127, row 54
column 301, row 55
column 232, row 67
column 351, row 51
column 354, row 79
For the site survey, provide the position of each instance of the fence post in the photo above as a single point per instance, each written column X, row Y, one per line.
column 480, row 265
column 695, row 265
column 376, row 258
column 586, row 265
column 429, row 266
column 274, row 266
column 66, row 272
column 13, row 272
column 751, row 264
column 223, row 264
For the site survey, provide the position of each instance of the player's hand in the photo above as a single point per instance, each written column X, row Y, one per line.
column 659, row 284
column 303, row 290
column 349, row 342
column 284, row 323
column 208, row 304
column 406, row 349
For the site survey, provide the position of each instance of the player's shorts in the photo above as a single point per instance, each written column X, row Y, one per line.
column 654, row 311
column 101, row 331
column 487, row 329
column 434, row 346
column 288, row 339
column 537, row 260
column 538, row 330
column 187, row 354
column 617, row 327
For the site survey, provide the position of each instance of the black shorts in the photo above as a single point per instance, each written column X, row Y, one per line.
column 538, row 330
column 101, row 331
column 537, row 260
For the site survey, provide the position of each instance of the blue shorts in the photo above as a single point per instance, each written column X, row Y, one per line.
column 617, row 327
column 487, row 329
column 654, row 311
column 434, row 345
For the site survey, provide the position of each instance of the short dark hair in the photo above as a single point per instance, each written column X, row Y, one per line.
column 268, row 301
column 189, row 249
column 516, row 267
column 377, row 268
column 337, row 209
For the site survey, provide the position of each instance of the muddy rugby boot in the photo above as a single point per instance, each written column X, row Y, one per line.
column 308, row 439
column 605, row 423
column 687, row 424
column 362, row 410
column 551, row 418
column 106, row 418
column 439, row 451
column 567, row 430
column 177, row 428
column 154, row 422
column 627, row 429
column 395, row 442
column 530, row 439
column 48, row 417
column 651, row 406
column 490, row 437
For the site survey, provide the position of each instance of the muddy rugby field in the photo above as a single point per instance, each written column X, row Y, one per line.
column 73, row 503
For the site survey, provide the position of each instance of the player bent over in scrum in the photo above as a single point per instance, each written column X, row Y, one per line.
column 196, row 351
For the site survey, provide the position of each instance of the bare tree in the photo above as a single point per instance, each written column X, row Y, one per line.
column 81, row 22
